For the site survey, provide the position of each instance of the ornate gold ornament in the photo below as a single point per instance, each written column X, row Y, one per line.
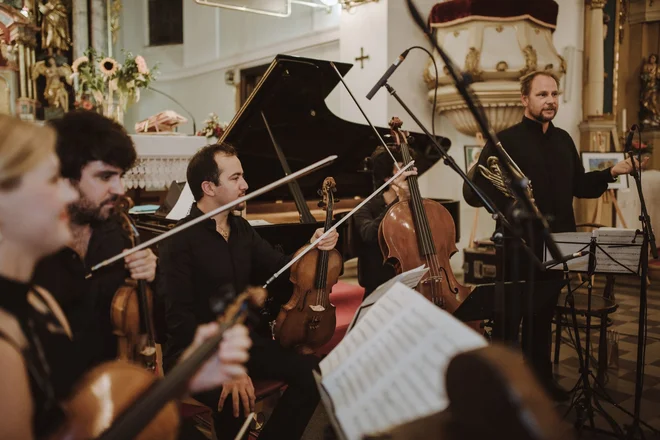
column 55, row 92
column 472, row 60
column 530, row 60
column 55, row 35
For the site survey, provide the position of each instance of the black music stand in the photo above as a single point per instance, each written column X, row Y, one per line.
column 611, row 251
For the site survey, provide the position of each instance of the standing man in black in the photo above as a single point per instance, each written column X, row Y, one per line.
column 548, row 157
column 222, row 254
column 372, row 271
column 94, row 153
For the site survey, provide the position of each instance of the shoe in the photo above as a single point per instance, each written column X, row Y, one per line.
column 555, row 391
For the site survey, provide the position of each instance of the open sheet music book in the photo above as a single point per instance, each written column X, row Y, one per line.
column 390, row 368
column 410, row 279
column 618, row 250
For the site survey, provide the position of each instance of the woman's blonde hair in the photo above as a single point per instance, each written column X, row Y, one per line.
column 23, row 145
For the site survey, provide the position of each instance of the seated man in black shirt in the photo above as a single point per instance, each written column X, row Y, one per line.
column 224, row 253
column 372, row 272
column 94, row 153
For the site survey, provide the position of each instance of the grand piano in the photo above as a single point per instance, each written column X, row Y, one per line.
column 290, row 98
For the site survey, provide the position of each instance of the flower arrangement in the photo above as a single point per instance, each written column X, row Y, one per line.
column 644, row 149
column 101, row 82
column 213, row 127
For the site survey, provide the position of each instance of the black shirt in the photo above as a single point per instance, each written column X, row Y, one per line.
column 371, row 270
column 552, row 164
column 41, row 330
column 86, row 303
column 197, row 264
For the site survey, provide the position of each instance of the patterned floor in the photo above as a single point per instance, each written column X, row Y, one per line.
column 619, row 378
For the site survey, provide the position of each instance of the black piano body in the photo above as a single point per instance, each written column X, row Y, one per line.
column 291, row 95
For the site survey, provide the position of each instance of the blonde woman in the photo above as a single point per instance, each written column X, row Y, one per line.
column 33, row 224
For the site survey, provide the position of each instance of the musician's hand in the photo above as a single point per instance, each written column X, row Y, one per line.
column 625, row 166
column 328, row 243
column 241, row 390
column 227, row 363
column 142, row 265
column 400, row 185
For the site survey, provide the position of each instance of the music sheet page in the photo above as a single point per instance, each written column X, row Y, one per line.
column 390, row 368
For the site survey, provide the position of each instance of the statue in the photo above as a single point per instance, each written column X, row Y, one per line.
column 55, row 92
column 649, row 92
column 55, row 35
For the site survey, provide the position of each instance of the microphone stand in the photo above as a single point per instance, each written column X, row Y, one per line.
column 648, row 239
column 519, row 182
column 527, row 211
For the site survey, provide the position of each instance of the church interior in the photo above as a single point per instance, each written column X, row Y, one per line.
column 291, row 82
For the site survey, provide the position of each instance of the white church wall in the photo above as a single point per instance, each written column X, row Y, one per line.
column 215, row 41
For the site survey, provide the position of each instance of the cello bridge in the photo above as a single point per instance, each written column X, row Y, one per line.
column 317, row 308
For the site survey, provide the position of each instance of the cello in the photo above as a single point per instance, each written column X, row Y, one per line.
column 421, row 231
column 307, row 321
column 132, row 305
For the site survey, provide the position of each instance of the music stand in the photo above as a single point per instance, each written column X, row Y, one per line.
column 611, row 251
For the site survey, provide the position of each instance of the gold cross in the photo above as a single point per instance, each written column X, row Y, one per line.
column 361, row 58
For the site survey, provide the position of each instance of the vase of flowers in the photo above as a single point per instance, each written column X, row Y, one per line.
column 101, row 83
column 645, row 149
column 213, row 128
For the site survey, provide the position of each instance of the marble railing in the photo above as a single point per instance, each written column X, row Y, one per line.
column 161, row 160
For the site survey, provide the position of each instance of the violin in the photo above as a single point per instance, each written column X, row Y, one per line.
column 307, row 321
column 119, row 400
column 132, row 306
column 422, row 231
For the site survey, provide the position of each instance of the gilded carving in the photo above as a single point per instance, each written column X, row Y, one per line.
column 499, row 28
column 456, row 33
column 562, row 64
column 55, row 91
column 472, row 60
column 649, row 112
column 55, row 35
column 502, row 66
column 598, row 4
column 530, row 60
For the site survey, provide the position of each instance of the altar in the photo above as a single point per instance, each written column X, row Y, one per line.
column 162, row 159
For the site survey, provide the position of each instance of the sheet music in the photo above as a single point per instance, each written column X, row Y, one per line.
column 410, row 278
column 390, row 368
column 622, row 245
column 183, row 204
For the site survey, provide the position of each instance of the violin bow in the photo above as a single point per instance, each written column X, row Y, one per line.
column 336, row 225
column 300, row 173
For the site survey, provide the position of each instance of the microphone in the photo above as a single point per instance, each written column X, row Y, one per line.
column 628, row 145
column 565, row 258
column 383, row 79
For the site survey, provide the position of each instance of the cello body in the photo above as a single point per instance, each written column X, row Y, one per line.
column 395, row 235
column 308, row 320
column 420, row 232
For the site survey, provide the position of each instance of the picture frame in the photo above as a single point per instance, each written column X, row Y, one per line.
column 472, row 153
column 595, row 161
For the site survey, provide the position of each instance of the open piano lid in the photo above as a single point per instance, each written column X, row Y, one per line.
column 292, row 96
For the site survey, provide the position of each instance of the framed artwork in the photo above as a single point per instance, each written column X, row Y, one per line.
column 472, row 153
column 594, row 161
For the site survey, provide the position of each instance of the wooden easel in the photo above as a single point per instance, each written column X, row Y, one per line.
column 608, row 196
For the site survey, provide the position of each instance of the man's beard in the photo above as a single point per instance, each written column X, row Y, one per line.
column 83, row 212
column 541, row 118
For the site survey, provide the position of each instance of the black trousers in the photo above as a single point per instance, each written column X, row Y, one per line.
column 269, row 361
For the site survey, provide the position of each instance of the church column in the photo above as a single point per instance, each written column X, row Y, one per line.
column 596, row 80
column 23, row 74
column 100, row 26
column 80, row 28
